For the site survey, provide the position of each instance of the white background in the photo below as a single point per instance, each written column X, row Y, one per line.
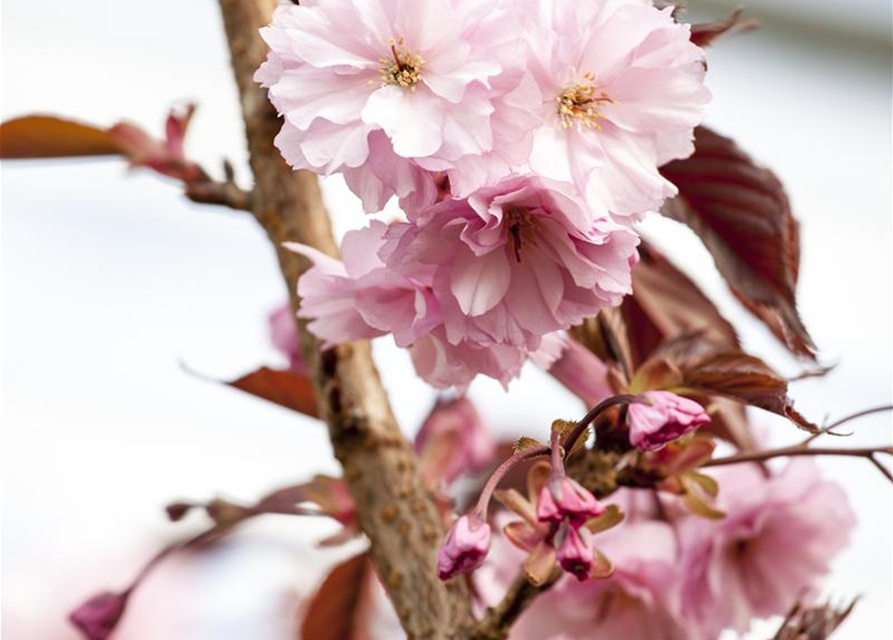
column 110, row 279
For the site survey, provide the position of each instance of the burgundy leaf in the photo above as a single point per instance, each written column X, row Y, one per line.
column 283, row 387
column 710, row 370
column 704, row 34
column 336, row 610
column 665, row 304
column 743, row 216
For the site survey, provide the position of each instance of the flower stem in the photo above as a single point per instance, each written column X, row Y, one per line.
column 592, row 415
column 484, row 500
column 557, row 458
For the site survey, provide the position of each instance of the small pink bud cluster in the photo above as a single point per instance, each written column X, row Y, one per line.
column 566, row 503
column 559, row 517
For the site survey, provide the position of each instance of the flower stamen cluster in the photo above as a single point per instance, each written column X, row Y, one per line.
column 579, row 104
column 404, row 69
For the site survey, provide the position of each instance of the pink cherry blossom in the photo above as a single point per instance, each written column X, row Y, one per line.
column 473, row 286
column 775, row 543
column 661, row 418
column 370, row 86
column 517, row 261
column 284, row 336
column 465, row 548
column 621, row 90
column 362, row 298
column 359, row 298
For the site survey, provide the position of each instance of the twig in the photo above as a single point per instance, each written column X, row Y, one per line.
column 394, row 506
column 803, row 450
column 881, row 467
column 499, row 619
column 845, row 419
column 227, row 194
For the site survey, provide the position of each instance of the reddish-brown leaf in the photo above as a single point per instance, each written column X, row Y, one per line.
column 704, row 34
column 335, row 611
column 51, row 137
column 712, row 370
column 666, row 304
column 743, row 216
column 283, row 387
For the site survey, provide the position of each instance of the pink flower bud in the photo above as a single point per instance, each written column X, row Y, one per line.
column 575, row 553
column 454, row 440
column 465, row 548
column 566, row 498
column 99, row 615
column 662, row 418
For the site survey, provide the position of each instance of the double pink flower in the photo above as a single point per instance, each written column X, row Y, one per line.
column 473, row 286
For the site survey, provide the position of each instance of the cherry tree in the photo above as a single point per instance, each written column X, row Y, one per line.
column 523, row 140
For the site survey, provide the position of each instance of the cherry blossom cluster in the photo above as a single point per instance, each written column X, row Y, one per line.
column 521, row 137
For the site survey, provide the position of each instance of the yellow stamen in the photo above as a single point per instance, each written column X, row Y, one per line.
column 580, row 104
column 404, row 70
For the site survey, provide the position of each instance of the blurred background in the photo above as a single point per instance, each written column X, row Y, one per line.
column 111, row 280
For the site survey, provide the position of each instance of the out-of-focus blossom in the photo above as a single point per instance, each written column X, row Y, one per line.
column 621, row 90
column 564, row 498
column 582, row 372
column 370, row 86
column 465, row 548
column 284, row 336
column 776, row 541
column 454, row 440
column 662, row 417
column 98, row 616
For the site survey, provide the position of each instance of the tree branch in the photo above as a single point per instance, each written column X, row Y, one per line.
column 499, row 619
column 393, row 506
column 227, row 194
column 869, row 453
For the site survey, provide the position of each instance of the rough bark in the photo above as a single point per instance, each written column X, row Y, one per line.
column 395, row 510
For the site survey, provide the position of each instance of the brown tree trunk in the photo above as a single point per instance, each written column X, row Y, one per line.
column 395, row 510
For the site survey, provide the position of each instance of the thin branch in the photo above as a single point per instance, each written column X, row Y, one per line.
column 845, row 419
column 227, row 194
column 499, row 619
column 881, row 467
column 803, row 450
